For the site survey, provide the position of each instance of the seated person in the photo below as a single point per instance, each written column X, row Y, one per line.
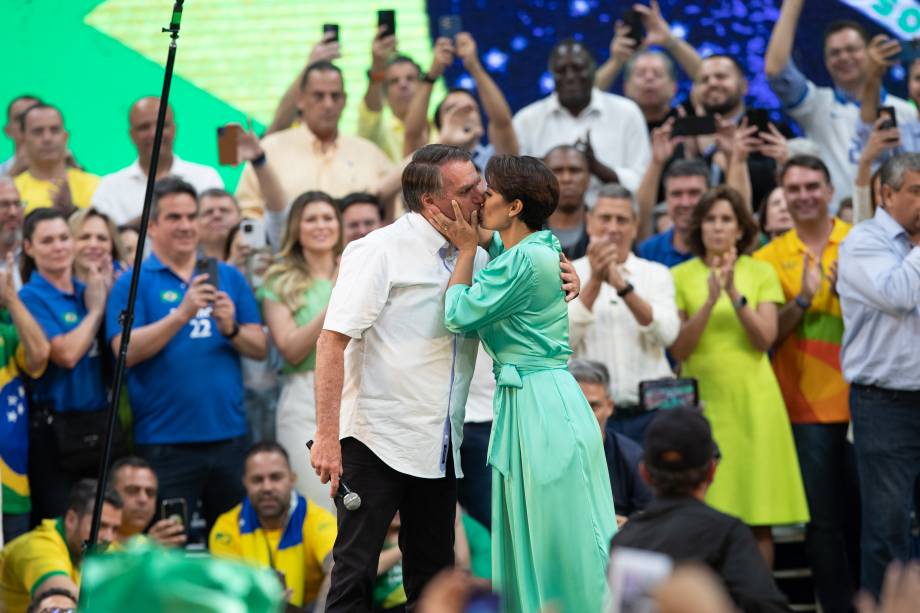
column 137, row 485
column 630, row 494
column 277, row 527
column 55, row 600
column 679, row 462
column 50, row 555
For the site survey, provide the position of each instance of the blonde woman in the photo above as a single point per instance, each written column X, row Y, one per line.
column 294, row 296
column 97, row 245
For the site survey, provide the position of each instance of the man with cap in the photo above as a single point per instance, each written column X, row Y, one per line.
column 678, row 462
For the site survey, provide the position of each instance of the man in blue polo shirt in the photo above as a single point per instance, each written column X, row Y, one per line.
column 685, row 181
column 184, row 378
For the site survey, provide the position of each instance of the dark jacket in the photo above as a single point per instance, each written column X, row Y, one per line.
column 689, row 530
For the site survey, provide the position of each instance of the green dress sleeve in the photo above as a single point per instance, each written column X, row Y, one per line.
column 499, row 290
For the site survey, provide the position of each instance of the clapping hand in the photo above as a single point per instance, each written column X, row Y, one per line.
column 812, row 276
column 601, row 255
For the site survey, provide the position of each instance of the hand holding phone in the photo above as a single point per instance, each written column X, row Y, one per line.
column 633, row 20
column 386, row 19
column 449, row 26
column 331, row 32
column 174, row 509
column 891, row 119
column 252, row 233
column 208, row 266
column 228, row 141
column 759, row 118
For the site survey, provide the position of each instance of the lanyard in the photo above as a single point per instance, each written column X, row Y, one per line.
column 268, row 546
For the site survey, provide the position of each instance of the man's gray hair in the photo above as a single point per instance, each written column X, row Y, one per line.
column 892, row 173
column 590, row 371
column 668, row 64
column 618, row 192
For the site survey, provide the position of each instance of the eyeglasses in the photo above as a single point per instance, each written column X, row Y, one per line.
column 10, row 204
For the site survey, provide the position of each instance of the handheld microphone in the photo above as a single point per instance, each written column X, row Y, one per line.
column 350, row 499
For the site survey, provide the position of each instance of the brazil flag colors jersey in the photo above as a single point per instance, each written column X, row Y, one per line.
column 297, row 551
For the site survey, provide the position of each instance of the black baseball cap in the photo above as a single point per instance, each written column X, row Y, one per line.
column 679, row 439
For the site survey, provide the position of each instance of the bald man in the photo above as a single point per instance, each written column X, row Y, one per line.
column 121, row 194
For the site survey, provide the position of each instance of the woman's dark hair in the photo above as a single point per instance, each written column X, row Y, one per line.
column 229, row 242
column 526, row 179
column 29, row 224
column 746, row 223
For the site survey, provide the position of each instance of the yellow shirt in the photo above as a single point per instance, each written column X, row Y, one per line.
column 386, row 130
column 297, row 552
column 31, row 559
column 351, row 164
column 36, row 193
column 807, row 362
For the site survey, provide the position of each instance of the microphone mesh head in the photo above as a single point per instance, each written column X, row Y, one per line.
column 351, row 501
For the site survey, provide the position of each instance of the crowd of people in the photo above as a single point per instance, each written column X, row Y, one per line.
column 339, row 293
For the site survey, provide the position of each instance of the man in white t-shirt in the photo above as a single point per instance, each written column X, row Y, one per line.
column 392, row 385
column 120, row 195
column 829, row 115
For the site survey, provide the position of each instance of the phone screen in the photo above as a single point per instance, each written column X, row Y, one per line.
column 449, row 26
column 891, row 118
column 334, row 29
column 692, row 125
column 174, row 508
column 633, row 19
column 759, row 118
column 387, row 18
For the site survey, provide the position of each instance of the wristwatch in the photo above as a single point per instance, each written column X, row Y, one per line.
column 622, row 293
column 234, row 332
column 740, row 303
column 802, row 303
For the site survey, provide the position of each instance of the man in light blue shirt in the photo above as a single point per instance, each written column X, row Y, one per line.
column 879, row 286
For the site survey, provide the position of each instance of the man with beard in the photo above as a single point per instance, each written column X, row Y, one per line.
column 611, row 127
column 722, row 87
column 121, row 194
column 828, row 115
column 277, row 528
column 568, row 220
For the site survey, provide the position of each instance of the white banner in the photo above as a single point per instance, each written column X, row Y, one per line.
column 901, row 17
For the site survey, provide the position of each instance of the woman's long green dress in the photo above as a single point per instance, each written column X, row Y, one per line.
column 552, row 508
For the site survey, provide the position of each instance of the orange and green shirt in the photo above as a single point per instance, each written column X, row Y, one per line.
column 807, row 362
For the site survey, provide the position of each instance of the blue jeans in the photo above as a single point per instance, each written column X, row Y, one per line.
column 211, row 472
column 886, row 429
column 475, row 488
column 832, row 536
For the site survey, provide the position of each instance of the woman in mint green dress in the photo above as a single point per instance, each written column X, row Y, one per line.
column 552, row 509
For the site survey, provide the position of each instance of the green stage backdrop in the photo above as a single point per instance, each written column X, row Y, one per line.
column 94, row 58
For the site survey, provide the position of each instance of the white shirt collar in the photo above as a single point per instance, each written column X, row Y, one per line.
column 136, row 171
column 433, row 240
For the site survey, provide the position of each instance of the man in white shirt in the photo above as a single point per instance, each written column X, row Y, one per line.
column 120, row 195
column 828, row 115
column 618, row 135
column 625, row 316
column 392, row 382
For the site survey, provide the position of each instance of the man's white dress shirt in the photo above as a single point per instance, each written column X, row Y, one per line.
column 406, row 376
column 619, row 135
column 609, row 333
column 120, row 195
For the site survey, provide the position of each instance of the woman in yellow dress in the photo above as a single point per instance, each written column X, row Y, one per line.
column 728, row 305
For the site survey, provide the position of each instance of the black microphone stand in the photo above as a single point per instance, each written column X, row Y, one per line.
column 127, row 316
